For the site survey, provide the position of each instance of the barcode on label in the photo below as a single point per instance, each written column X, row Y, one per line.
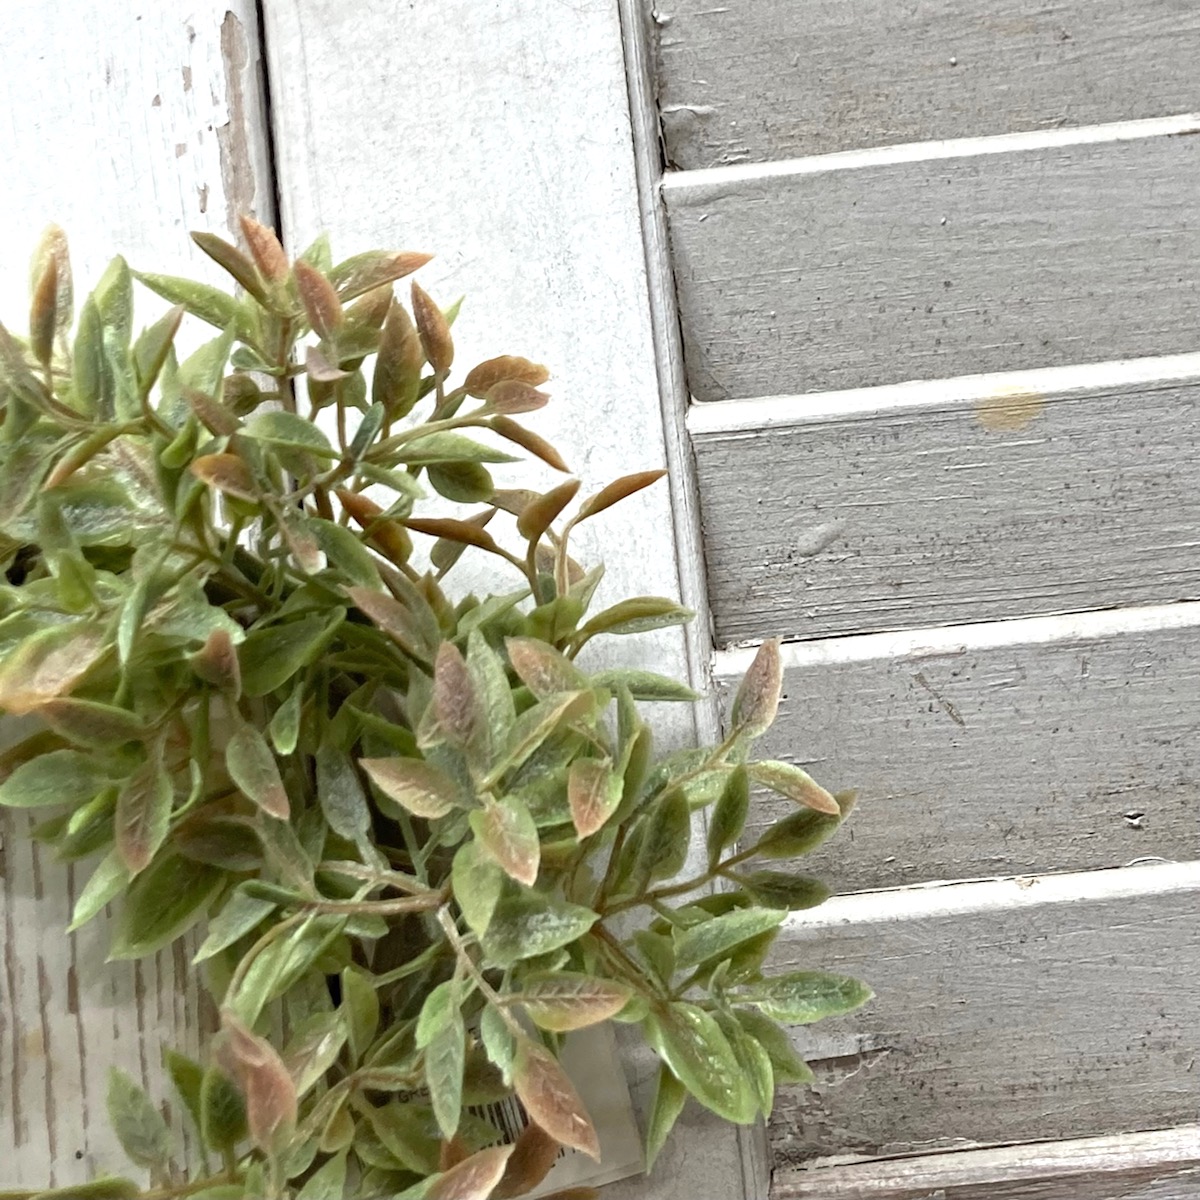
column 509, row 1118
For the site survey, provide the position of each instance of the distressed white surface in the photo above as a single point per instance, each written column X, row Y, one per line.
column 128, row 125
column 1037, row 1008
column 498, row 136
column 1039, row 257
column 769, row 79
column 967, row 510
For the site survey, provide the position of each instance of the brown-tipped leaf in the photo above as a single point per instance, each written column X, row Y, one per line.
column 481, row 379
column 757, row 699
column 454, row 531
column 534, row 1153
column 474, row 1178
column 594, row 791
column 413, row 784
column 616, row 491
column 433, row 330
column 454, row 702
column 512, row 397
column 392, row 617
column 542, row 669
column 795, row 784
column 42, row 311
column 506, row 427
column 551, row 1100
column 506, row 830
column 268, row 1088
column 239, row 265
column 227, row 473
column 265, row 249
column 537, row 516
column 397, row 379
column 374, row 269
column 320, row 369
column 216, row 662
column 143, row 815
column 321, row 303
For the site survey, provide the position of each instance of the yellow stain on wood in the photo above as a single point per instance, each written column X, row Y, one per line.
column 1009, row 410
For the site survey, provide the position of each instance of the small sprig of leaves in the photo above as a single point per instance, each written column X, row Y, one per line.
column 418, row 833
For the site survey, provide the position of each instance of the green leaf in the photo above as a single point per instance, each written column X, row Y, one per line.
column 755, row 1061
column 278, row 428
column 107, row 881
column 644, row 685
column 108, row 1188
column 60, row 777
column 284, row 729
column 536, row 724
column 691, row 1043
column 188, row 1077
column 200, row 299
column 143, row 814
column 490, row 683
column 561, row 1001
column 360, row 1003
column 413, row 785
column 462, row 482
column 139, row 1126
column 327, row 1183
column 253, row 768
column 152, row 347
column 445, row 1058
column 498, row 1041
column 91, row 724
column 802, row 997
column 341, row 794
column 729, row 816
column 784, row 890
column 280, row 965
column 526, row 924
column 240, row 915
column 114, row 299
column 796, row 784
column 796, row 834
column 222, row 1112
column 787, row 1065
column 507, row 832
column 167, row 898
column 314, row 1047
column 93, row 384
column 271, row 655
column 669, row 1100
column 477, row 881
column 638, row 615
column 344, row 552
column 448, row 448
column 712, row 940
column 664, row 847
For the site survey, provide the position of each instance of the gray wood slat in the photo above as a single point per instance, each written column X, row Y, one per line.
column 979, row 760
column 909, row 516
column 751, row 80
column 856, row 276
column 1160, row 1165
column 1033, row 1009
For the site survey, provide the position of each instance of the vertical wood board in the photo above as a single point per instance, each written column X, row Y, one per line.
column 128, row 126
column 856, row 275
column 754, row 80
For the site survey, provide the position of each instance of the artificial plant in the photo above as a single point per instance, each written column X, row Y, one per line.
column 419, row 839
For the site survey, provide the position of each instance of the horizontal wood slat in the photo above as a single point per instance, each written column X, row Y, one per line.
column 1160, row 1165
column 850, row 276
column 749, row 80
column 1048, row 1008
column 1054, row 744
column 1000, row 504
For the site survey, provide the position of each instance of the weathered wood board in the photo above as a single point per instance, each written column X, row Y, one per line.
column 1052, row 744
column 750, row 80
column 866, row 513
column 128, row 126
column 1161, row 1165
column 1041, row 1008
column 843, row 274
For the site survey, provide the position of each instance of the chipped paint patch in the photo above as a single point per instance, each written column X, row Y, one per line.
column 1009, row 411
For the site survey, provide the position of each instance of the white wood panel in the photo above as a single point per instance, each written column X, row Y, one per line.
column 1052, row 744
column 129, row 126
column 509, row 153
column 990, row 500
column 748, row 80
column 847, row 272
column 1161, row 1165
column 1035, row 1008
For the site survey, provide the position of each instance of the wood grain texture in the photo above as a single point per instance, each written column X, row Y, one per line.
column 128, row 125
column 1160, row 1165
column 1055, row 744
column 959, row 510
column 751, row 80
column 1037, row 1008
column 859, row 275
column 510, row 156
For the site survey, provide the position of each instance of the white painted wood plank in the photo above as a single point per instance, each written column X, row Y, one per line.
column 1159, row 1165
column 972, row 509
column 129, row 126
column 998, row 750
column 512, row 158
column 1035, row 1008
column 850, row 277
column 749, row 80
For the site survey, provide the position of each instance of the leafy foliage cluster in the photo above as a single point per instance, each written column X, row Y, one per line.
column 423, row 841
